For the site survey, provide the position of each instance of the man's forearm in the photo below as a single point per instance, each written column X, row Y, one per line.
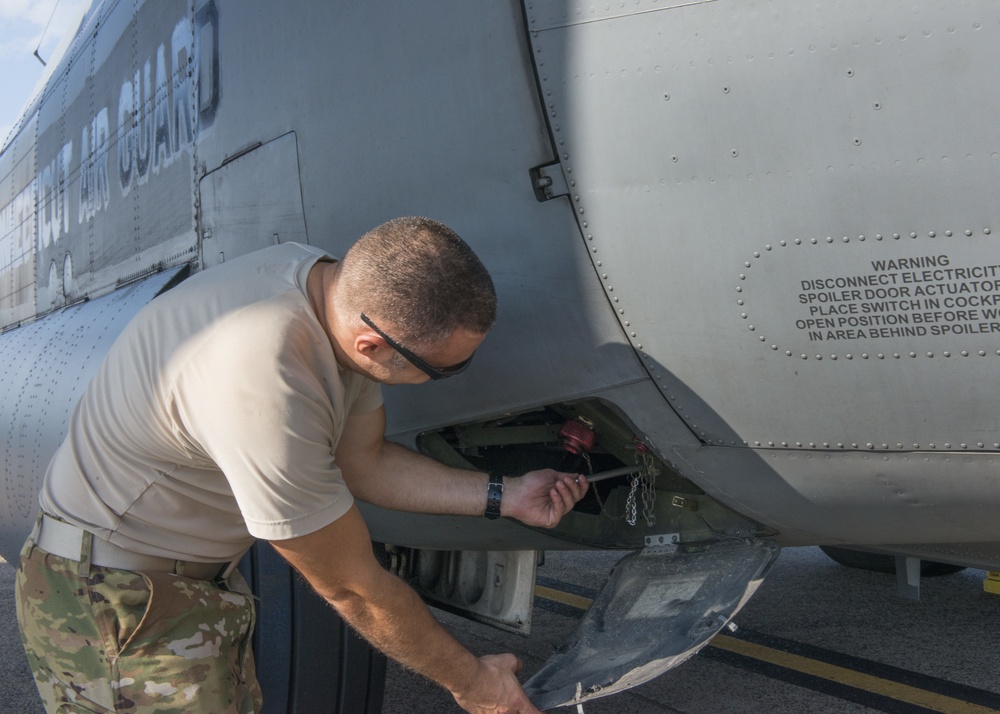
column 404, row 480
column 337, row 561
column 398, row 623
column 394, row 477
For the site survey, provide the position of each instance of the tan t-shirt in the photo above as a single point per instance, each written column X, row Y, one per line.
column 213, row 419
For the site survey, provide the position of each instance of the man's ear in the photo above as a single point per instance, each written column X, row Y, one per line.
column 370, row 345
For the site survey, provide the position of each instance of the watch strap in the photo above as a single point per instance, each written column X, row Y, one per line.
column 493, row 495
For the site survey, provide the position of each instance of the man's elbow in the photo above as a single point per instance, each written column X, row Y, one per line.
column 359, row 592
column 348, row 603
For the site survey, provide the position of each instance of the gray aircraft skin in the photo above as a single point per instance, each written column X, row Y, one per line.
column 746, row 247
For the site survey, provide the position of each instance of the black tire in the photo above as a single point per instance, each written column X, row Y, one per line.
column 879, row 563
column 308, row 660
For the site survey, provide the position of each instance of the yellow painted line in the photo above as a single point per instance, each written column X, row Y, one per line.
column 823, row 670
column 581, row 603
column 851, row 678
column 992, row 582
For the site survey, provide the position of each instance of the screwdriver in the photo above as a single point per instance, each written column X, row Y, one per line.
column 611, row 473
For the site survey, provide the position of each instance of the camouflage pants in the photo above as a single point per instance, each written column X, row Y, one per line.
column 108, row 640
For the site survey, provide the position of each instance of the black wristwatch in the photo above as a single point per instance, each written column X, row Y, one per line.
column 493, row 496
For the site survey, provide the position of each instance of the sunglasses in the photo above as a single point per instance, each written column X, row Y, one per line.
column 429, row 370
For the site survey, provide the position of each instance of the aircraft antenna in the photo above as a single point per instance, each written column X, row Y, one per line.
column 42, row 38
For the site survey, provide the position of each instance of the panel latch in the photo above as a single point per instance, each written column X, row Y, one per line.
column 548, row 182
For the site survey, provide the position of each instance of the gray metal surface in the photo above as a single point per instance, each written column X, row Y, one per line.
column 494, row 587
column 254, row 200
column 761, row 187
column 744, row 168
column 18, row 227
column 139, row 126
column 44, row 367
column 857, row 496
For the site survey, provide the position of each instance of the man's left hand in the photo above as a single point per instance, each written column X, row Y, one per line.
column 542, row 498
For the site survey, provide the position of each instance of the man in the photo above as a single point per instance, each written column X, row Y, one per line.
column 245, row 404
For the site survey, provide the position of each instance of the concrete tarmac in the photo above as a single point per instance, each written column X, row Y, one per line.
column 817, row 637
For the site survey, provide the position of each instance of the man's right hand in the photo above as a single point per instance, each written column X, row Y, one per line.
column 495, row 689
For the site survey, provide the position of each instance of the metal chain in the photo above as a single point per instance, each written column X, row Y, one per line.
column 644, row 479
column 633, row 485
column 648, row 478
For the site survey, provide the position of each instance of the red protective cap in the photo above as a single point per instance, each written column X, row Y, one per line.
column 577, row 438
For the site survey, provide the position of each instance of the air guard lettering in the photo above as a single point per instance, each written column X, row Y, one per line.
column 94, row 193
column 181, row 43
column 156, row 117
column 161, row 120
column 161, row 108
column 126, row 139
column 144, row 127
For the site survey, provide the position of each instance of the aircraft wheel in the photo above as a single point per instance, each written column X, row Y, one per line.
column 308, row 660
column 879, row 563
